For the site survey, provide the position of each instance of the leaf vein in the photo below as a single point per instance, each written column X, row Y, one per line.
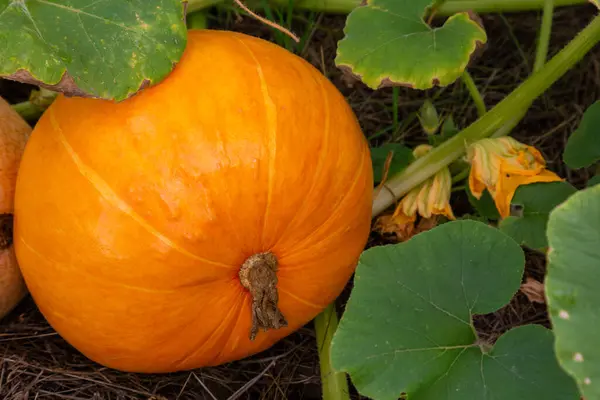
column 87, row 14
column 434, row 305
column 440, row 348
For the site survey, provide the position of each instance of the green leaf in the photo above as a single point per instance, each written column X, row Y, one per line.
column 535, row 201
column 485, row 205
column 105, row 49
column 571, row 287
column 388, row 43
column 402, row 156
column 583, row 146
column 407, row 327
column 449, row 128
column 593, row 181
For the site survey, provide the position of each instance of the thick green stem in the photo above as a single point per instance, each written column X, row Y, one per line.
column 474, row 92
column 333, row 384
column 544, row 36
column 195, row 5
column 39, row 100
column 27, row 110
column 500, row 117
column 492, row 6
column 447, row 8
column 197, row 20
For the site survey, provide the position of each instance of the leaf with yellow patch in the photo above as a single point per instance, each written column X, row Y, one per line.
column 90, row 48
column 388, row 43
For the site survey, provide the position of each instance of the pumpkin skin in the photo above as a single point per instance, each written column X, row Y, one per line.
column 14, row 132
column 133, row 219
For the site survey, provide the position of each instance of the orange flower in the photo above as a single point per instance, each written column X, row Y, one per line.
column 430, row 198
column 502, row 165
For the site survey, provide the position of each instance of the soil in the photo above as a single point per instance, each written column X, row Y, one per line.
column 37, row 364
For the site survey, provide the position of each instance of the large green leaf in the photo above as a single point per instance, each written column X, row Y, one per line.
column 387, row 42
column 408, row 325
column 98, row 48
column 571, row 287
column 535, row 201
column 401, row 157
column 583, row 146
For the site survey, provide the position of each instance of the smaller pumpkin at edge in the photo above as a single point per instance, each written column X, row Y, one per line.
column 14, row 132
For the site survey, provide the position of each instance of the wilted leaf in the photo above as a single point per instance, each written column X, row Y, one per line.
column 583, row 146
column 534, row 290
column 388, row 225
column 401, row 157
column 387, row 42
column 408, row 325
column 106, row 49
column 535, row 202
column 571, row 287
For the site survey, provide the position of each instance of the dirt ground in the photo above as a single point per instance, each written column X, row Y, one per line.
column 37, row 364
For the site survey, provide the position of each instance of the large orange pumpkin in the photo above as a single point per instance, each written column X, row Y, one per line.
column 14, row 132
column 201, row 220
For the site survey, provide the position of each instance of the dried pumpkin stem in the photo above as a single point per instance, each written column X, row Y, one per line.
column 6, row 231
column 258, row 274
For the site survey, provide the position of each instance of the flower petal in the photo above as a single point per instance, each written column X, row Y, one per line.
column 509, row 183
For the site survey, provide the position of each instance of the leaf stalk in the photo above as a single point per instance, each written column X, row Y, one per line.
column 474, row 93
column 334, row 385
column 544, row 36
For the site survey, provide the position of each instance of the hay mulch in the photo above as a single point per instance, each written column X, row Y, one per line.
column 37, row 364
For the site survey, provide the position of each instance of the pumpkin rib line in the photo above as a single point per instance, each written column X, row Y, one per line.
column 111, row 196
column 236, row 322
column 62, row 265
column 325, row 148
column 334, row 214
column 271, row 116
column 301, row 300
column 210, row 340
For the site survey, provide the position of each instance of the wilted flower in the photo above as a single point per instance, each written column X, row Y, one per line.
column 429, row 199
column 502, row 165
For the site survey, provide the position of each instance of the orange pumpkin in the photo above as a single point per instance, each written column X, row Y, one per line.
column 14, row 132
column 201, row 220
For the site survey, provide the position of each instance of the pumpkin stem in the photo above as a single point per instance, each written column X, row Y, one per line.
column 258, row 275
column 6, row 231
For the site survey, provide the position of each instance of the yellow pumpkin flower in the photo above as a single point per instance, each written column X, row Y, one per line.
column 430, row 198
column 502, row 165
